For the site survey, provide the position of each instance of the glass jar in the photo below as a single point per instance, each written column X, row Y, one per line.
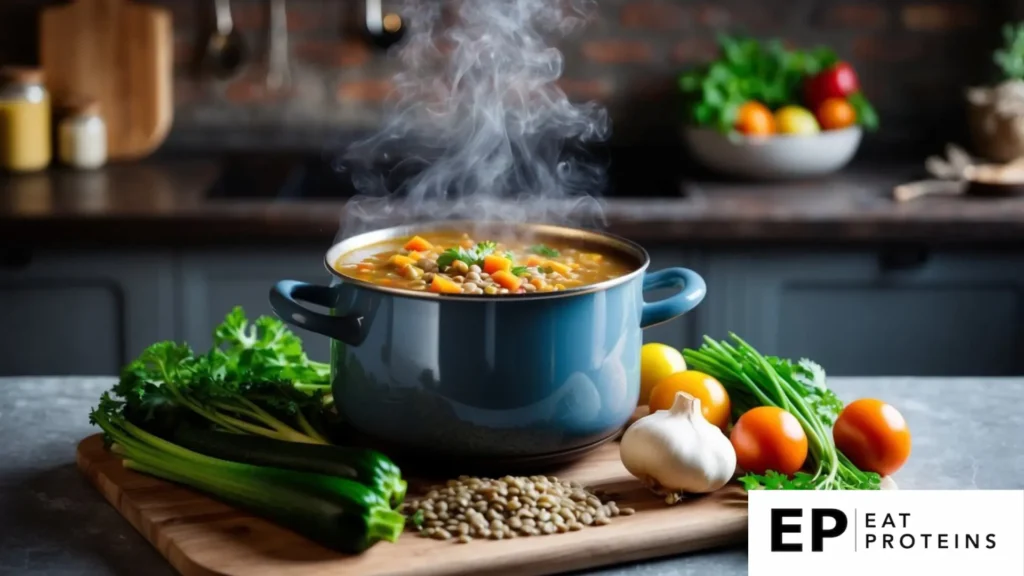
column 25, row 140
column 82, row 136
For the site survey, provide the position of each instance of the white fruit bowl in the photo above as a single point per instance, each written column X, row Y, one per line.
column 778, row 157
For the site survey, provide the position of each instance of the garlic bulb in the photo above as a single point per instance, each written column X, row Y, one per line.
column 677, row 450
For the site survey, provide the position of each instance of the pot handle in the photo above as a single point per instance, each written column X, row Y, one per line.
column 693, row 291
column 285, row 299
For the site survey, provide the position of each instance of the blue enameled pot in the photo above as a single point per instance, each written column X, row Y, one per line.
column 488, row 376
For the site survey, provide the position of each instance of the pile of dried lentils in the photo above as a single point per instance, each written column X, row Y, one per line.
column 508, row 507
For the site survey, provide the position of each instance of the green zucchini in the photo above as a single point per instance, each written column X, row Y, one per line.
column 338, row 513
column 368, row 467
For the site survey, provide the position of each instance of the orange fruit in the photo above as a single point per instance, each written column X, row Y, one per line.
column 714, row 400
column 835, row 114
column 755, row 119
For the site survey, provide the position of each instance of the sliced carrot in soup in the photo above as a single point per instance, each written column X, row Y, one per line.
column 507, row 279
column 442, row 285
column 418, row 243
column 402, row 261
column 494, row 263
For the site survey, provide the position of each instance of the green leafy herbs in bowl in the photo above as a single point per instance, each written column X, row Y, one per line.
column 763, row 88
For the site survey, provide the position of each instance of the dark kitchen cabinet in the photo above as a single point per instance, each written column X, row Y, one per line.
column 864, row 312
column 212, row 283
column 83, row 314
column 887, row 312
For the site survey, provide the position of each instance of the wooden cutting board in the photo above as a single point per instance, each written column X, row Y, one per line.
column 121, row 54
column 200, row 536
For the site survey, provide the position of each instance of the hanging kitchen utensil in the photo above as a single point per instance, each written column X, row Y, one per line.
column 225, row 50
column 278, row 72
column 121, row 54
column 384, row 29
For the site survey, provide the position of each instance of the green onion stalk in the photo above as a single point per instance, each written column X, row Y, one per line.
column 752, row 380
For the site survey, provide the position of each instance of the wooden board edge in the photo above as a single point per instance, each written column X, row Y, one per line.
column 547, row 563
column 114, row 496
column 659, row 550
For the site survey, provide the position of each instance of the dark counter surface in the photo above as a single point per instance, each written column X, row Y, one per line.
column 174, row 202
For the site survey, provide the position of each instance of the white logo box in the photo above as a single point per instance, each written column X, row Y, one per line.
column 902, row 532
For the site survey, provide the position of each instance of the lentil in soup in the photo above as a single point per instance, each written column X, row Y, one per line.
column 453, row 263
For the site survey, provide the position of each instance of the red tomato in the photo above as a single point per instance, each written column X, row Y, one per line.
column 769, row 438
column 873, row 435
column 839, row 81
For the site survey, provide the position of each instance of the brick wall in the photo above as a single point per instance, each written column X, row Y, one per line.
column 914, row 56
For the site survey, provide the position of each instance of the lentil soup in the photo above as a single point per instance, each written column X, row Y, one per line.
column 454, row 263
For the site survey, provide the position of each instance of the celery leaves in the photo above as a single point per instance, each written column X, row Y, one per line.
column 256, row 379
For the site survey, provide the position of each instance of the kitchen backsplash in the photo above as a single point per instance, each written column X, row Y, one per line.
column 914, row 58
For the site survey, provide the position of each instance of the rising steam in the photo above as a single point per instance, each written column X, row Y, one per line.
column 477, row 127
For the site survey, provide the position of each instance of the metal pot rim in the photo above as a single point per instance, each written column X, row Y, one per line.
column 627, row 248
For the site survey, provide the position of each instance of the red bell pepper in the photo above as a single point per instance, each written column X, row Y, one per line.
column 837, row 81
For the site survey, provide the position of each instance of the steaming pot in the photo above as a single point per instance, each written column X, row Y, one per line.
column 510, row 377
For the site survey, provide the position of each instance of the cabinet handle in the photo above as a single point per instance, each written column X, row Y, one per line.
column 15, row 258
column 896, row 258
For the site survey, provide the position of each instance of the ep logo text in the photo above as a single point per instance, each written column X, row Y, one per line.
column 888, row 532
column 785, row 521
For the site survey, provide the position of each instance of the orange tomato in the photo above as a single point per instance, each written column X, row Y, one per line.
column 835, row 114
column 769, row 438
column 714, row 400
column 873, row 435
column 755, row 119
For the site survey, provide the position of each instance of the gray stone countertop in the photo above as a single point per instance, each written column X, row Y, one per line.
column 966, row 434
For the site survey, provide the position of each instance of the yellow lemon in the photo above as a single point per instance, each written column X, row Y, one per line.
column 656, row 362
column 796, row 120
